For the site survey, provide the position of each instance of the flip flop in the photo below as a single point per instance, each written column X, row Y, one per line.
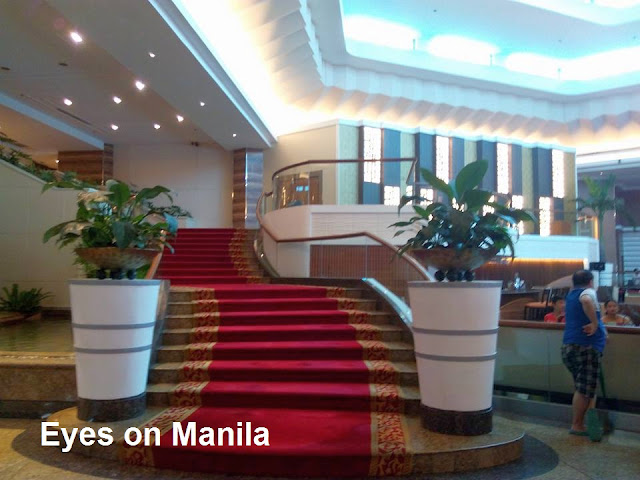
column 580, row 433
column 594, row 427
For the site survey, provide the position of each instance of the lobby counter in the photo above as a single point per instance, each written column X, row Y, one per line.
column 529, row 359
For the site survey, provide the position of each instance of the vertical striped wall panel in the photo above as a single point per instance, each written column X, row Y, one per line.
column 516, row 170
column 347, row 173
column 247, row 186
column 570, row 189
column 541, row 172
column 457, row 155
column 470, row 151
column 527, row 185
column 425, row 151
column 487, row 151
column 391, row 149
column 407, row 150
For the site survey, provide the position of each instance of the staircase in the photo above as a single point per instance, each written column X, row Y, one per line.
column 324, row 369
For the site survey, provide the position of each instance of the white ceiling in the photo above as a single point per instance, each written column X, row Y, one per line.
column 298, row 58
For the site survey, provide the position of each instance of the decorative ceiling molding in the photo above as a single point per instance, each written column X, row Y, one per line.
column 361, row 90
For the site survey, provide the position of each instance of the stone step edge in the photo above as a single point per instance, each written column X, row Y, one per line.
column 432, row 453
column 159, row 394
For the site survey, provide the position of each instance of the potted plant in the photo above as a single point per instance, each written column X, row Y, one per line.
column 113, row 228
column 462, row 231
column 455, row 323
column 118, row 229
column 26, row 303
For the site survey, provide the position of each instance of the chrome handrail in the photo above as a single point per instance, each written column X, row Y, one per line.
column 412, row 262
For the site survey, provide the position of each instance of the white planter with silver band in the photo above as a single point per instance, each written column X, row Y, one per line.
column 113, row 323
column 455, row 326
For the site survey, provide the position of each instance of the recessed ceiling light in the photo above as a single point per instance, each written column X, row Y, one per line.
column 152, row 55
column 202, row 104
column 156, row 126
column 235, row 135
column 76, row 37
column 67, row 102
column 139, row 85
column 117, row 100
column 57, row 161
column 114, row 127
column 180, row 118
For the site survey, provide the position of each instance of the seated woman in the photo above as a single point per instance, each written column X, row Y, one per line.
column 612, row 317
column 557, row 316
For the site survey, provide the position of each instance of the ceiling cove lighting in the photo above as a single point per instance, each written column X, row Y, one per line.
column 117, row 100
column 67, row 102
column 76, row 37
column 114, row 127
column 534, row 64
column 462, row 49
column 156, row 126
column 362, row 28
column 615, row 3
column 140, row 85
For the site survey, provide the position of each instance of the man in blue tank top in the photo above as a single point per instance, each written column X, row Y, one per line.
column 582, row 347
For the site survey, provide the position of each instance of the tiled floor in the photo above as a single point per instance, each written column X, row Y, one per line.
column 549, row 453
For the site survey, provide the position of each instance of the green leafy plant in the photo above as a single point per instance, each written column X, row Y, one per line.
column 464, row 217
column 10, row 152
column 115, row 216
column 26, row 302
column 600, row 201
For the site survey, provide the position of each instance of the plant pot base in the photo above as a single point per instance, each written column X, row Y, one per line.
column 457, row 423
column 111, row 410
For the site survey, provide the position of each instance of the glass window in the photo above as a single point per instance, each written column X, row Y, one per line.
column 372, row 139
column 443, row 158
column 557, row 172
column 503, row 161
column 545, row 216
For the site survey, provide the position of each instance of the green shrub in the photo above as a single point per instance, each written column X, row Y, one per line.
column 26, row 301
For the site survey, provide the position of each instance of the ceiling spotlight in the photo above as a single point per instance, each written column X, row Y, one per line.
column 57, row 161
column 76, row 37
column 235, row 135
column 67, row 102
column 114, row 127
column 156, row 126
column 139, row 85
column 152, row 55
column 202, row 104
column 180, row 118
column 117, row 100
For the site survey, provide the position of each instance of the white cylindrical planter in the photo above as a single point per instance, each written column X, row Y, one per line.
column 455, row 327
column 113, row 323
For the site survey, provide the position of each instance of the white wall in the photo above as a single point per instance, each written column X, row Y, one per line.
column 25, row 214
column 317, row 144
column 289, row 259
column 322, row 220
column 201, row 177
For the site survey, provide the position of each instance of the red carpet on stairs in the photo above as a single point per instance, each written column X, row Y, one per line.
column 299, row 361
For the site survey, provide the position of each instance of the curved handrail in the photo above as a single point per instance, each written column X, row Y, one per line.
column 155, row 263
column 412, row 262
column 413, row 160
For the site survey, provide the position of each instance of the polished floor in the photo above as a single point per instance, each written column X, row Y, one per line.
column 45, row 335
column 549, row 453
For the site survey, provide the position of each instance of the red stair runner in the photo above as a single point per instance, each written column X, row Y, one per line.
column 307, row 367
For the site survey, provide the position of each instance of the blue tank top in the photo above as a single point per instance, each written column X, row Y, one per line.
column 575, row 319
